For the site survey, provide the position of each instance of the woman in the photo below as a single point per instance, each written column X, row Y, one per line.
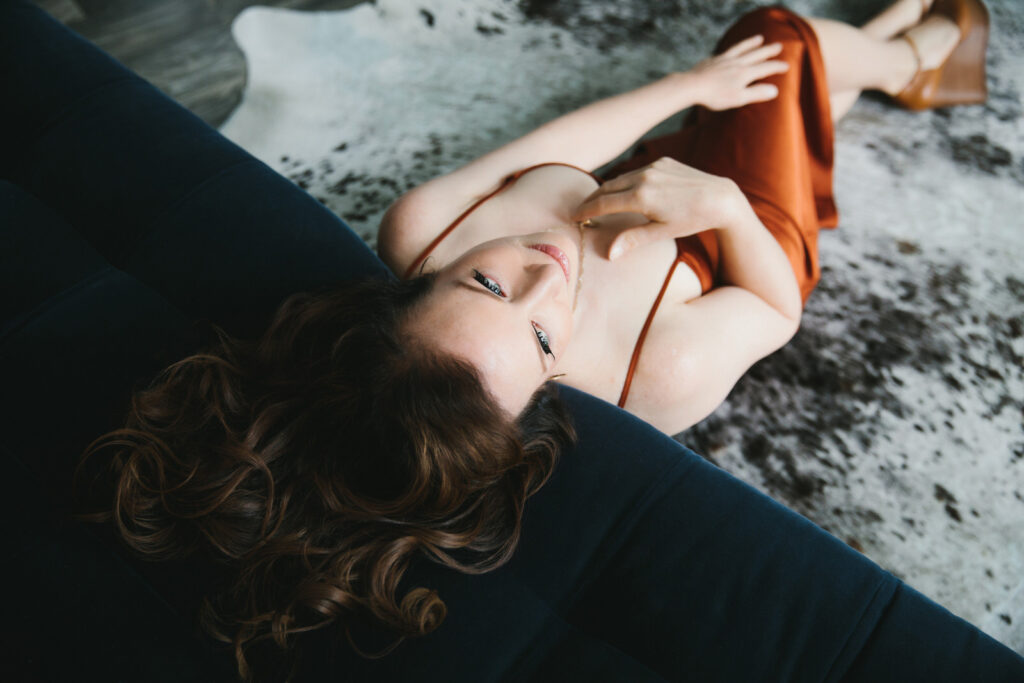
column 376, row 422
column 699, row 251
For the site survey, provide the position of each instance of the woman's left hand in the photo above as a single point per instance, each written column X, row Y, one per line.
column 677, row 200
column 727, row 80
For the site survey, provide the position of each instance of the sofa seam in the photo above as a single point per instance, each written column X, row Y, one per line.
column 511, row 674
column 883, row 582
column 590, row 573
column 614, row 539
column 23, row 319
column 143, row 233
column 65, row 112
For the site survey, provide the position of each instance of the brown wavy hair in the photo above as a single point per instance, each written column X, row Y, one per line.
column 316, row 462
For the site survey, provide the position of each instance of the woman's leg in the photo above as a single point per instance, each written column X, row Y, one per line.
column 897, row 18
column 873, row 58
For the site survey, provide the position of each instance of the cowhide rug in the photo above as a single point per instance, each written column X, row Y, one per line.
column 894, row 418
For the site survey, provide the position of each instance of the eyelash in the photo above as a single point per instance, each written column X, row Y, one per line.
column 493, row 286
column 543, row 337
column 488, row 283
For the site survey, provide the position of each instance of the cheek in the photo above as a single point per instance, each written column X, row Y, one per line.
column 565, row 330
column 510, row 366
column 513, row 366
column 511, row 381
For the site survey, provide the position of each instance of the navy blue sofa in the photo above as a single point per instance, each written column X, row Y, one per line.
column 126, row 224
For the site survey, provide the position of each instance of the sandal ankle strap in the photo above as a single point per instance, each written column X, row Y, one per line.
column 916, row 51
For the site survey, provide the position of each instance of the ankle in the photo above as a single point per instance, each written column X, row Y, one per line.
column 905, row 64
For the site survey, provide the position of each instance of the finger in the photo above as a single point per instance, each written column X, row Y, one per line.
column 619, row 182
column 762, row 92
column 608, row 203
column 766, row 69
column 588, row 201
column 744, row 45
column 634, row 237
column 761, row 53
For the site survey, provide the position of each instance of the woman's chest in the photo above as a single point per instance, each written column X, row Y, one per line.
column 627, row 300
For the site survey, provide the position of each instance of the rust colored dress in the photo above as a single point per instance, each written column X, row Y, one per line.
column 779, row 153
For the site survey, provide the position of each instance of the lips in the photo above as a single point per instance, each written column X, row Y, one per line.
column 557, row 254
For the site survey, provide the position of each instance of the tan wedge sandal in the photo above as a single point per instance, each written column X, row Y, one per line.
column 961, row 78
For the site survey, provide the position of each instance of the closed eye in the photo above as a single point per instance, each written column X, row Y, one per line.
column 488, row 283
column 495, row 288
column 542, row 337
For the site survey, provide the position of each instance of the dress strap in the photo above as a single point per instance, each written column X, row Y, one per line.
column 643, row 334
column 508, row 180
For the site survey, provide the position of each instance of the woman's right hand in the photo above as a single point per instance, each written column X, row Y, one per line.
column 727, row 80
column 677, row 200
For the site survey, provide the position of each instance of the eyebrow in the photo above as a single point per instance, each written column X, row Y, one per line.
column 480, row 289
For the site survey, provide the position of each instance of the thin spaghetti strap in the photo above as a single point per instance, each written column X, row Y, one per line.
column 444, row 233
column 508, row 180
column 520, row 172
column 643, row 334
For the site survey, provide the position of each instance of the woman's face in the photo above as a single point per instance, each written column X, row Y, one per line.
column 506, row 306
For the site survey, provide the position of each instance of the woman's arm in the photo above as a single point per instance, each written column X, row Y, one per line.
column 595, row 134
column 694, row 355
column 750, row 258
column 588, row 137
column 679, row 200
column 592, row 136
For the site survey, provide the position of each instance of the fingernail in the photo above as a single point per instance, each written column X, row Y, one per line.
column 615, row 252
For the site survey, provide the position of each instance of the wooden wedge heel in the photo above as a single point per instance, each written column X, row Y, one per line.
column 961, row 78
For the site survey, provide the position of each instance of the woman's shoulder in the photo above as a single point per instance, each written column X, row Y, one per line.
column 400, row 237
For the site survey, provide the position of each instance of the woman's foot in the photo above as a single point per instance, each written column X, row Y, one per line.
column 928, row 45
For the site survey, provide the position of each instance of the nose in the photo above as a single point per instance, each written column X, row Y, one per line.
column 544, row 280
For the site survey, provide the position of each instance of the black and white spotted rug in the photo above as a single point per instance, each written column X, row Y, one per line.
column 895, row 418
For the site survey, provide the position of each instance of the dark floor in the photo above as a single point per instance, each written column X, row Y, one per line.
column 184, row 47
